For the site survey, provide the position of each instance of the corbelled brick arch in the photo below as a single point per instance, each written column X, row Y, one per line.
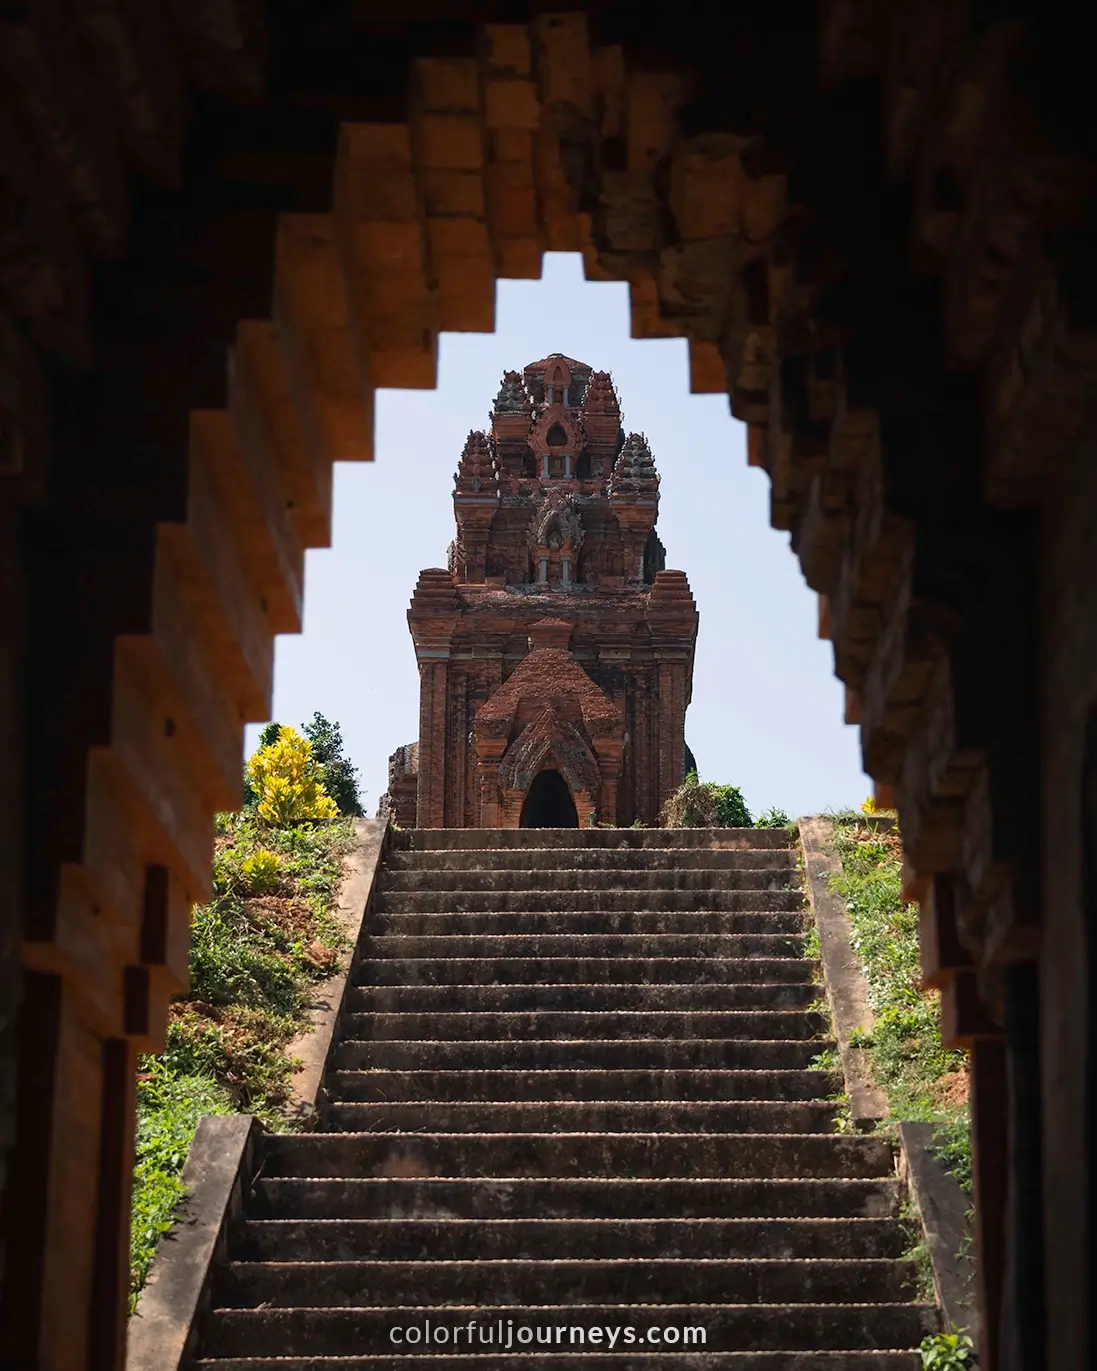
column 871, row 224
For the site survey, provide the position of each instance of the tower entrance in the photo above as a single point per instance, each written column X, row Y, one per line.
column 548, row 803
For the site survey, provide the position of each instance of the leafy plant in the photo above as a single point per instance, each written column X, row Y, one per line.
column 169, row 1106
column 953, row 1351
column 731, row 808
column 288, row 783
column 952, row 1148
column 772, row 818
column 261, row 872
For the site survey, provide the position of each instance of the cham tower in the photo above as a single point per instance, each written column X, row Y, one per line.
column 555, row 651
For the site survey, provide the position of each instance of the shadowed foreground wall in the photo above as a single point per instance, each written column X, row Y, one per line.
column 875, row 226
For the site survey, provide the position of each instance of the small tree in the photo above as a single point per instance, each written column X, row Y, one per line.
column 731, row 808
column 287, row 782
column 340, row 776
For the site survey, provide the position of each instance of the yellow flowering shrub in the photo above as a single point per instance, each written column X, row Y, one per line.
column 287, row 782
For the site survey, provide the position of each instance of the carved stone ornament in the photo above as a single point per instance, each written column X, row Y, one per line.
column 556, row 514
column 550, row 736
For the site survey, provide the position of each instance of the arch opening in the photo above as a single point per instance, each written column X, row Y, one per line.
column 549, row 803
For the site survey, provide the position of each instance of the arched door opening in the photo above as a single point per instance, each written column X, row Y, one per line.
column 548, row 803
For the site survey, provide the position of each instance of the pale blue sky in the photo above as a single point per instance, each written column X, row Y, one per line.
column 766, row 712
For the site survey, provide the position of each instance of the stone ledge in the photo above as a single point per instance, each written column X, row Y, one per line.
column 313, row 1047
column 218, row 1171
column 222, row 1159
column 846, row 989
column 942, row 1207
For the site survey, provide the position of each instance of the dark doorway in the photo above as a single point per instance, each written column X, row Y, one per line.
column 549, row 803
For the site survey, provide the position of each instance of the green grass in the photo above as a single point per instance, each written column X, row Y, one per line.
column 923, row 1080
column 169, row 1106
column 264, row 939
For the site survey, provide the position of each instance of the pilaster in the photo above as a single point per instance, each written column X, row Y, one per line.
column 432, row 618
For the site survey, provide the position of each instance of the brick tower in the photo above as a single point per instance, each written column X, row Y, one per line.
column 555, row 652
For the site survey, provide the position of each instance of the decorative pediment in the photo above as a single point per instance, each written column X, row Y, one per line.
column 557, row 376
column 550, row 738
column 556, row 428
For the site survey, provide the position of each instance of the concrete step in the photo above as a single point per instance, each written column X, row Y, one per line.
column 487, row 1284
column 574, row 1197
column 547, row 1024
column 623, row 839
column 501, row 879
column 583, row 1116
column 394, row 999
column 553, row 1239
column 754, row 1327
column 362, row 1155
column 541, row 921
column 465, row 901
column 628, row 1084
column 590, row 970
column 589, row 1361
column 548, row 946
column 593, row 859
column 668, row 1054
column 572, row 1087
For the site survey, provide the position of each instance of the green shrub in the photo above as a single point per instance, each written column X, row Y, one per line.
column 340, row 776
column 703, row 804
column 261, row 872
column 772, row 818
column 731, row 808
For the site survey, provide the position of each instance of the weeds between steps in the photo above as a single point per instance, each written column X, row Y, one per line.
column 257, row 947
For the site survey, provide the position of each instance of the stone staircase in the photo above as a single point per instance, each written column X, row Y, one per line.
column 572, row 1090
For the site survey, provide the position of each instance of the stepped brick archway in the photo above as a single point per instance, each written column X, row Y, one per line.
column 874, row 225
